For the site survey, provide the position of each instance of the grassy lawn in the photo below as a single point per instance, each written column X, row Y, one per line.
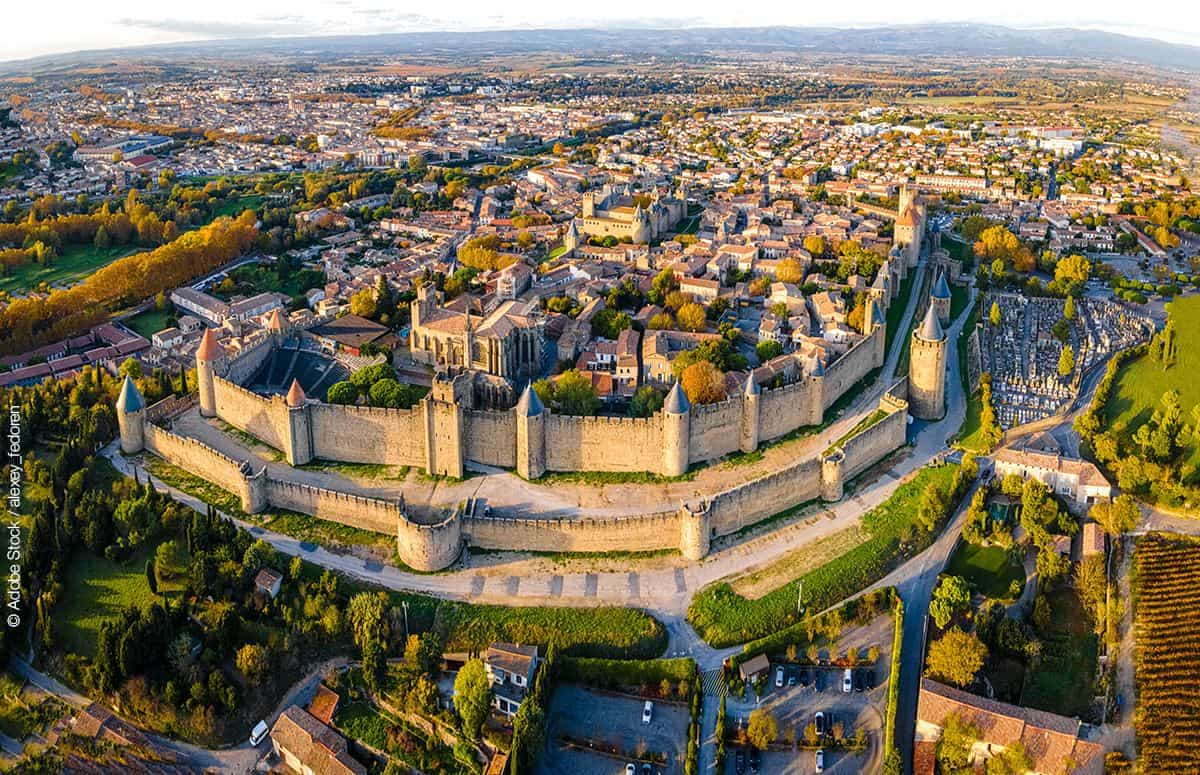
column 363, row 721
column 72, row 265
column 235, row 207
column 615, row 633
column 895, row 311
column 988, row 569
column 302, row 527
column 98, row 589
column 970, row 436
column 150, row 322
column 859, row 427
column 723, row 617
column 959, row 296
column 960, row 251
column 1062, row 681
column 1141, row 382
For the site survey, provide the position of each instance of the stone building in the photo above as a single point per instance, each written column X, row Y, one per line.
column 619, row 214
column 927, row 369
column 508, row 342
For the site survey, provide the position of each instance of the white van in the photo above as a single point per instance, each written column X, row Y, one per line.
column 258, row 733
column 847, row 681
column 647, row 712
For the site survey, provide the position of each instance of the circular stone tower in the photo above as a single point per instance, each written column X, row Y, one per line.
column 927, row 369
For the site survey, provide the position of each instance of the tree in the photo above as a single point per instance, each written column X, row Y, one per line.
column 768, row 349
column 762, row 729
column 951, row 596
column 388, row 393
column 814, row 244
column 994, row 314
column 789, row 270
column 1117, row 517
column 661, row 322
column 365, row 615
column 343, row 392
column 131, row 367
column 691, row 317
column 1071, row 272
column 151, row 578
column 571, row 393
column 472, row 697
column 646, row 401
column 704, row 383
column 1069, row 308
column 956, row 657
column 1066, row 360
column 254, row 661
column 168, row 557
column 364, row 304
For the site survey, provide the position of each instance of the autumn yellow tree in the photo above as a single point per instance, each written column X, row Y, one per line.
column 704, row 383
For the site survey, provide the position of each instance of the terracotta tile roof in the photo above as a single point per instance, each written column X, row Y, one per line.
column 324, row 704
column 320, row 748
column 1048, row 738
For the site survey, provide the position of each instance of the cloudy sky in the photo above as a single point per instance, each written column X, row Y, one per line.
column 73, row 25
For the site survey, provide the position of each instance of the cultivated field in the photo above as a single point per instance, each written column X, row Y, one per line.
column 1167, row 654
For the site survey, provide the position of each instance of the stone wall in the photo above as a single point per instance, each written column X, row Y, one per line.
column 855, row 364
column 263, row 418
column 790, row 407
column 625, row 534
column 716, row 429
column 363, row 434
column 873, row 444
column 491, row 438
column 247, row 363
column 443, row 434
column 603, row 443
column 354, row 510
column 199, row 459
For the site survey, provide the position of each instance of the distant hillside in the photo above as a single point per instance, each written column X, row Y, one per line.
column 916, row 40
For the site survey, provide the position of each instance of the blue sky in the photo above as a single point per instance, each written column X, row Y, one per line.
column 83, row 24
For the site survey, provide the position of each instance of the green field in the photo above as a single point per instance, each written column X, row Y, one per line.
column 1062, row 682
column 723, row 617
column 150, row 322
column 235, row 207
column 971, row 434
column 72, row 265
column 988, row 569
column 1141, row 382
column 98, row 589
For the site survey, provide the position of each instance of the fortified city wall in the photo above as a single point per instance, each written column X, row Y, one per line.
column 428, row 547
column 444, row 433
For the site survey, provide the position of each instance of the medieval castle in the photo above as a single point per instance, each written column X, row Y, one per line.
column 451, row 429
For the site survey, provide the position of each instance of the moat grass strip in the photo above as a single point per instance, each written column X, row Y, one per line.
column 724, row 618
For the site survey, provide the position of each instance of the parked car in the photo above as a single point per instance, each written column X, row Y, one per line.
column 805, row 676
column 646, row 769
column 820, row 760
column 792, row 671
column 819, row 679
column 259, row 732
column 739, row 762
column 779, row 677
column 859, row 680
column 647, row 712
column 755, row 759
column 869, row 676
column 847, row 681
column 819, row 722
column 631, row 769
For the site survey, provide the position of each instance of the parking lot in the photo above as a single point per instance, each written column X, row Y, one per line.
column 808, row 690
column 611, row 719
